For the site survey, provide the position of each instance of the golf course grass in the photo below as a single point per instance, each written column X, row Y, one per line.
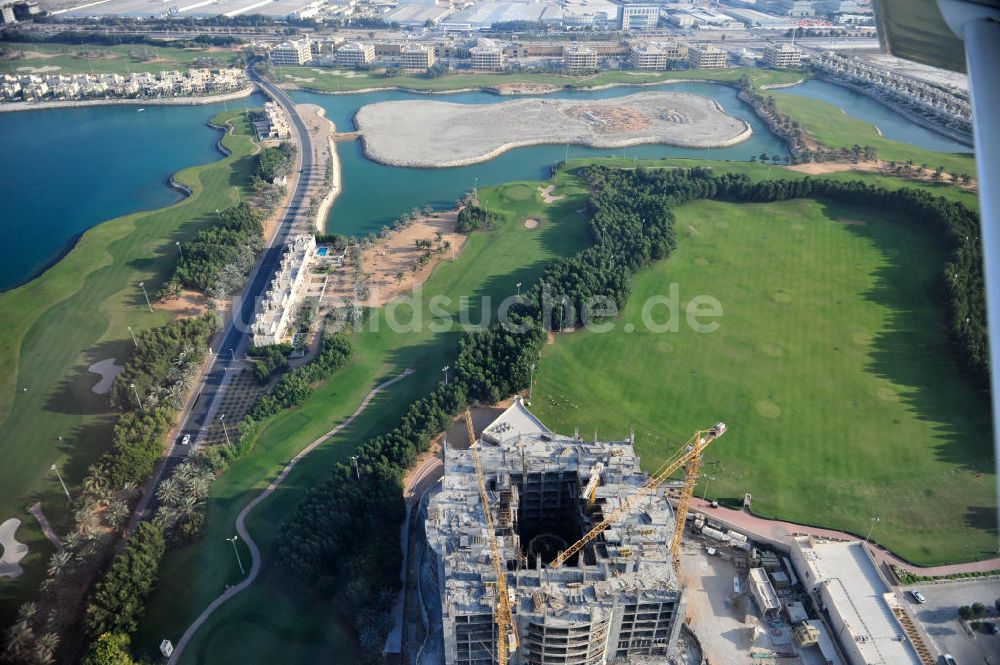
column 490, row 264
column 833, row 128
column 94, row 59
column 830, row 366
column 75, row 314
column 327, row 80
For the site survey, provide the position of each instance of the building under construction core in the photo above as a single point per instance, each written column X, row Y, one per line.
column 616, row 601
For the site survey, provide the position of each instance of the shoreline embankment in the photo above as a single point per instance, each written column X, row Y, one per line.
column 543, row 88
column 164, row 101
column 323, row 209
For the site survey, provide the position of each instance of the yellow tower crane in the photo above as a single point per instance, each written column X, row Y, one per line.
column 687, row 457
column 507, row 640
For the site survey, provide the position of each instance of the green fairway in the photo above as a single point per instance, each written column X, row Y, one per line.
column 831, row 368
column 75, row 314
column 326, row 80
column 490, row 265
column 831, row 127
column 94, row 59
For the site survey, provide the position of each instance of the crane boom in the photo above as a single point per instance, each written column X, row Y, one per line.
column 689, row 452
column 506, row 630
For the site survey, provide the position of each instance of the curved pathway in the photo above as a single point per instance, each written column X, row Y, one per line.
column 768, row 529
column 241, row 528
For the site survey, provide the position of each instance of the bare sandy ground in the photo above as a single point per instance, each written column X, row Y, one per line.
column 189, row 304
column 822, row 168
column 458, row 134
column 396, row 254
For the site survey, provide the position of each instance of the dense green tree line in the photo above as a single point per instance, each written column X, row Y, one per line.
column 269, row 361
column 233, row 240
column 473, row 218
column 120, row 598
column 110, row 39
column 632, row 224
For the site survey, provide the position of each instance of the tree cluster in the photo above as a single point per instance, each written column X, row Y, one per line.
column 234, row 240
column 275, row 162
column 269, row 361
column 473, row 218
column 120, row 598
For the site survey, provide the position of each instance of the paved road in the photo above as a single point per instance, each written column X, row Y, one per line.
column 236, row 336
column 241, row 528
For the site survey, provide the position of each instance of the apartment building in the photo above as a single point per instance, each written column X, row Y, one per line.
column 291, row 54
column 707, row 57
column 356, row 54
column 417, row 56
column 487, row 56
column 782, row 56
column 650, row 55
column 579, row 59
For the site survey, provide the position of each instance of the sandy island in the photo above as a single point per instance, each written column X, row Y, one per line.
column 432, row 134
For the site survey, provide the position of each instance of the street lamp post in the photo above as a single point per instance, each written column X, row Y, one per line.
column 237, row 194
column 59, row 476
column 357, row 470
column 138, row 400
column 445, row 370
column 142, row 285
column 875, row 520
column 179, row 250
column 518, row 290
column 134, row 340
column 236, row 551
column 222, row 419
column 704, row 497
column 531, row 381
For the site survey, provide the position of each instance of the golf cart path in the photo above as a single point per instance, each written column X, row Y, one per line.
column 241, row 528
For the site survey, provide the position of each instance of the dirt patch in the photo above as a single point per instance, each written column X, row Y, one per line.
column 524, row 88
column 548, row 196
column 531, row 223
column 392, row 263
column 821, row 168
column 187, row 305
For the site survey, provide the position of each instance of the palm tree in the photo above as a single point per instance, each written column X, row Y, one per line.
column 45, row 647
column 58, row 563
column 169, row 491
column 166, row 517
column 19, row 636
column 188, row 506
column 26, row 612
column 86, row 519
column 116, row 513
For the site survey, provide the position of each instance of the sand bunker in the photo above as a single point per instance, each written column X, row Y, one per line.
column 39, row 70
column 13, row 551
column 108, row 370
column 457, row 134
column 531, row 223
column 547, row 194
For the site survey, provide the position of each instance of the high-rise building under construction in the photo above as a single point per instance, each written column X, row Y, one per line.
column 617, row 601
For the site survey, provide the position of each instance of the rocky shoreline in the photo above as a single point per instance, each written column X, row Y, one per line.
column 165, row 101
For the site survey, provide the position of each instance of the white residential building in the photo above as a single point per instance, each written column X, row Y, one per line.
column 649, row 55
column 416, row 56
column 356, row 54
column 580, row 59
column 277, row 308
column 487, row 55
column 782, row 56
column 291, row 54
column 707, row 57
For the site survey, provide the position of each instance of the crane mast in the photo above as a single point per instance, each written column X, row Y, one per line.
column 688, row 457
column 506, row 630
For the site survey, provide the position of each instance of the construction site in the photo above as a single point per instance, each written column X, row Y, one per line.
column 551, row 549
